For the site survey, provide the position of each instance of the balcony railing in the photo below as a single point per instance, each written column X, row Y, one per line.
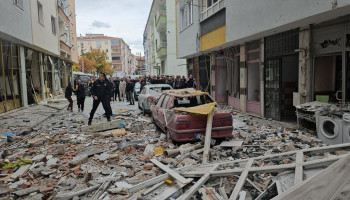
column 161, row 20
column 213, row 9
column 161, row 50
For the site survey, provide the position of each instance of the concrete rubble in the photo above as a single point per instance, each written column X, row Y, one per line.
column 129, row 158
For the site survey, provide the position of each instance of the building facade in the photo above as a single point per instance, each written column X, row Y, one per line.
column 267, row 62
column 118, row 52
column 31, row 65
column 160, row 40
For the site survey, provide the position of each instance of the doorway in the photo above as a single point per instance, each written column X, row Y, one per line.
column 281, row 81
column 328, row 78
column 221, row 96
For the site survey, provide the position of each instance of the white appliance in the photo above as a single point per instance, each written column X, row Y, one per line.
column 330, row 129
column 346, row 128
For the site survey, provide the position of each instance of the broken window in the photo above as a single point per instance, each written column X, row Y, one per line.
column 192, row 101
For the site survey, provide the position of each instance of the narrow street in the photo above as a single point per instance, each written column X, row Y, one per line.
column 234, row 100
column 66, row 160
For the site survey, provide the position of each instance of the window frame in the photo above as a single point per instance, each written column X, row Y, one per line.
column 53, row 25
column 165, row 101
column 19, row 4
column 40, row 13
column 160, row 101
column 115, row 57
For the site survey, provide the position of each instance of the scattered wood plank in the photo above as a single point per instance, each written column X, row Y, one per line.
column 171, row 172
column 223, row 193
column 241, row 180
column 189, row 193
column 170, row 190
column 155, row 180
column 299, row 168
column 105, row 126
column 208, row 137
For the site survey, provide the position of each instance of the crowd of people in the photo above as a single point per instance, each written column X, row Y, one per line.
column 105, row 90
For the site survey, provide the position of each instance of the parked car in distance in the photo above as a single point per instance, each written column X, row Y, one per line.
column 149, row 94
column 184, row 127
column 137, row 90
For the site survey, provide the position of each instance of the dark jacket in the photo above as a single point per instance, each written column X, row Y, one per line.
column 103, row 90
column 81, row 91
column 191, row 83
column 129, row 87
column 116, row 83
column 69, row 91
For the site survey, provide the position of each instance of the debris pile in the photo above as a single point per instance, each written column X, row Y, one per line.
column 129, row 158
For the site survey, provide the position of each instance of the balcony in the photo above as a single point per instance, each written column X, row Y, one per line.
column 161, row 22
column 161, row 50
column 64, row 47
column 207, row 12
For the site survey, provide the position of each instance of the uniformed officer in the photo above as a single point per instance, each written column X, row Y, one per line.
column 101, row 92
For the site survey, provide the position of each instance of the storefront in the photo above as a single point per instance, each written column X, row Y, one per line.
column 281, row 74
column 331, row 70
column 254, row 72
column 10, row 95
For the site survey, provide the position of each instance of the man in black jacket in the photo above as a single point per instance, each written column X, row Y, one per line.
column 130, row 92
column 116, row 92
column 101, row 92
column 80, row 91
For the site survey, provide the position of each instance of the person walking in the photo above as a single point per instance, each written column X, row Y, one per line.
column 117, row 92
column 81, row 94
column 102, row 93
column 68, row 94
column 130, row 92
column 122, row 87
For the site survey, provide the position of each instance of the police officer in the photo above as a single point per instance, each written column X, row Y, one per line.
column 101, row 92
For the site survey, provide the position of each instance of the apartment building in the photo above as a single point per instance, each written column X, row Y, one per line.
column 263, row 57
column 118, row 52
column 160, row 40
column 31, row 66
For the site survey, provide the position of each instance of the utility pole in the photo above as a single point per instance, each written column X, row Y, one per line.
column 82, row 57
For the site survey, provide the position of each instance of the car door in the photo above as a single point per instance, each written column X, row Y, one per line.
column 162, row 111
column 155, row 109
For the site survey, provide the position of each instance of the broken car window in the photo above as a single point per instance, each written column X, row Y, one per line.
column 192, row 101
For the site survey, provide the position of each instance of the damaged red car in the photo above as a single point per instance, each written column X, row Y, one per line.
column 184, row 126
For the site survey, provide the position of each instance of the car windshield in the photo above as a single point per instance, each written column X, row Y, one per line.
column 153, row 90
column 192, row 101
column 84, row 79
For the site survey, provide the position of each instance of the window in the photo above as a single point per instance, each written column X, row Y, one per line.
column 183, row 19
column 67, row 34
column 159, row 103
column 115, row 42
column 18, row 3
column 115, row 58
column 106, row 50
column 53, row 25
column 116, row 66
column 211, row 2
column 190, row 12
column 107, row 58
column 165, row 102
column 106, row 42
column 98, row 44
column 40, row 13
column 89, row 43
column 115, row 51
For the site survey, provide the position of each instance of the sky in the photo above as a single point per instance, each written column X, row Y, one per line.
column 116, row 18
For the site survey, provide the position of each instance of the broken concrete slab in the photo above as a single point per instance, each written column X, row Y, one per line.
column 78, row 160
column 26, row 191
column 100, row 127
